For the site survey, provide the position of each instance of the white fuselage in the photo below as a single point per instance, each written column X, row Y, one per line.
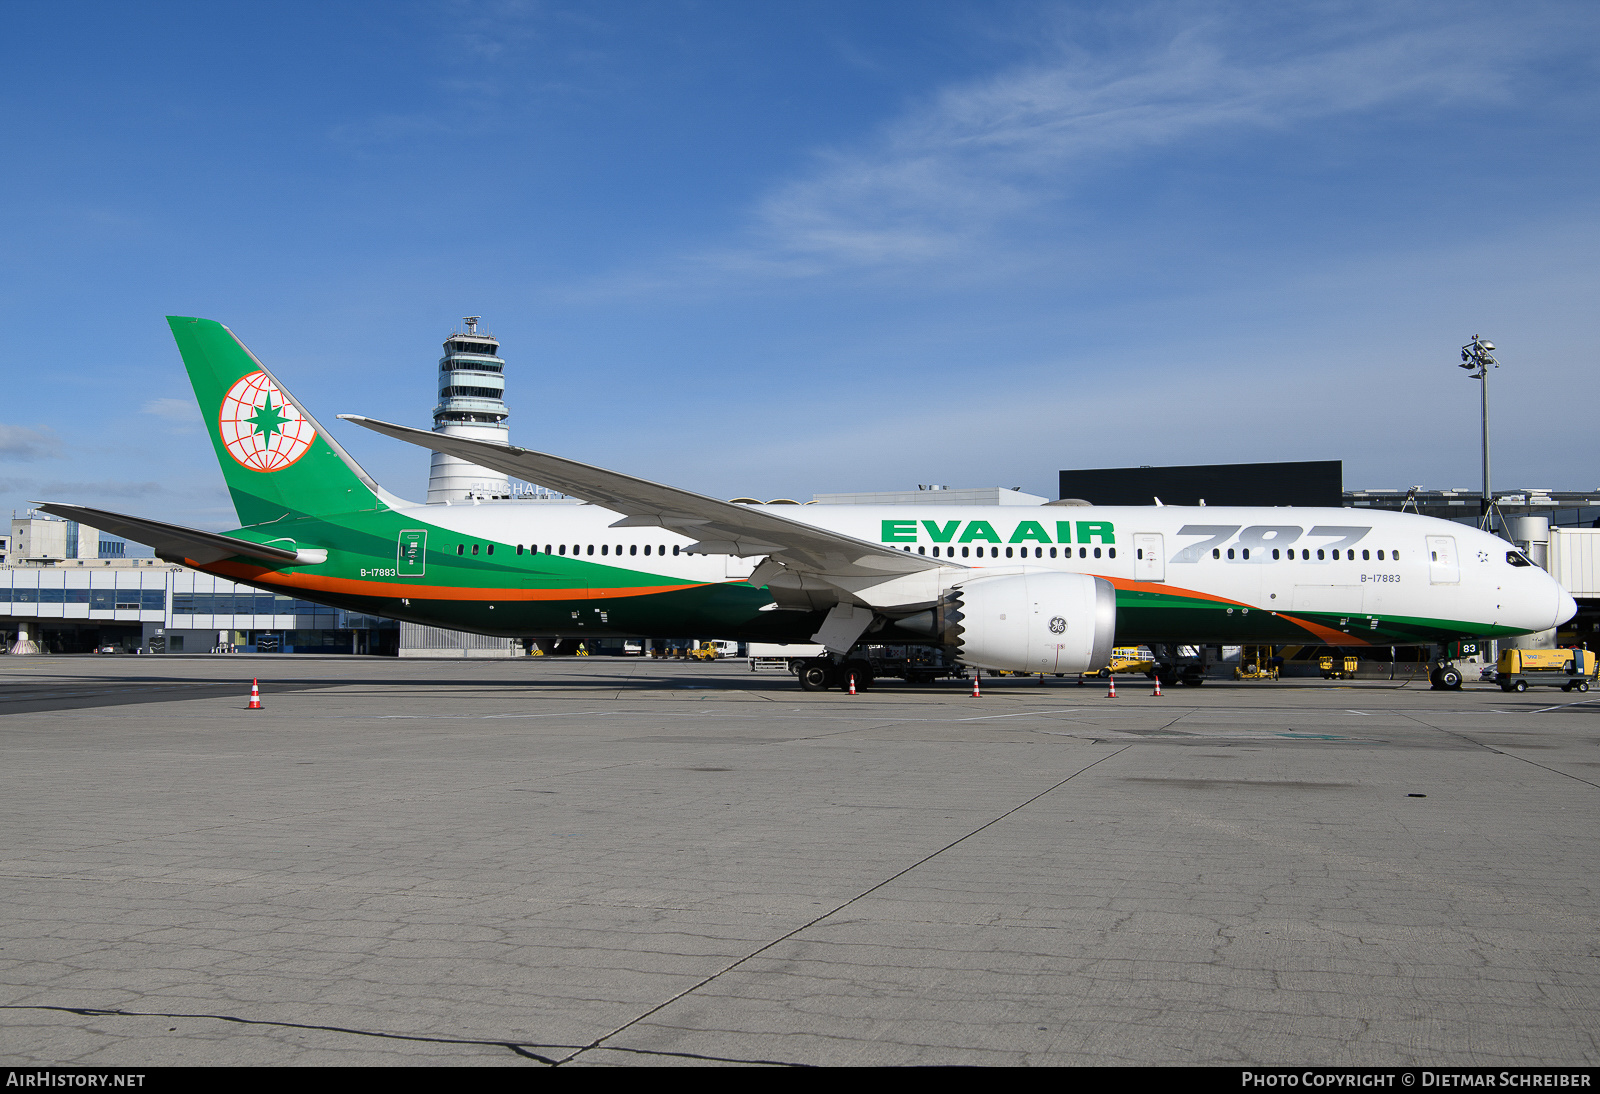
column 1353, row 562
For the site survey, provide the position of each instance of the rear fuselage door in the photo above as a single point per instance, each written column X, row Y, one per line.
column 1443, row 567
column 1149, row 560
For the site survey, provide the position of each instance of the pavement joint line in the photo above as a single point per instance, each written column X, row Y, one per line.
column 1503, row 752
column 752, row 955
column 520, row 1048
column 1564, row 706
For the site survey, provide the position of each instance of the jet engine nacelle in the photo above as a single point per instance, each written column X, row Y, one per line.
column 1029, row 622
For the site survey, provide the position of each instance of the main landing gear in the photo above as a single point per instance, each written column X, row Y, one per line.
column 822, row 673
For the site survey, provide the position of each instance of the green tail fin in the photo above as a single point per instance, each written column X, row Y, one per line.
column 277, row 459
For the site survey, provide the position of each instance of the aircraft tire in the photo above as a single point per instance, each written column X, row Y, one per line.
column 1450, row 679
column 816, row 675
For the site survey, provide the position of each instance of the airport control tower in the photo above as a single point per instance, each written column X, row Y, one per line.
column 472, row 390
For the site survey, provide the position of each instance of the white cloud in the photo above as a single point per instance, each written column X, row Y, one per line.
column 183, row 415
column 974, row 156
column 21, row 443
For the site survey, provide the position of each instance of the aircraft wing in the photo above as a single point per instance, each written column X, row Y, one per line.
column 721, row 527
column 172, row 541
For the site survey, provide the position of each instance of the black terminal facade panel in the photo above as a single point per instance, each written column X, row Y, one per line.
column 1306, row 482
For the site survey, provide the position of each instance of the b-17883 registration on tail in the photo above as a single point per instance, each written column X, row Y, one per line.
column 1046, row 590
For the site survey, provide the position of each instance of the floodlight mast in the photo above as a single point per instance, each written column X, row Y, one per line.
column 1476, row 358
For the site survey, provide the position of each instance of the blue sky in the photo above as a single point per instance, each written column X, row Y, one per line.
column 779, row 248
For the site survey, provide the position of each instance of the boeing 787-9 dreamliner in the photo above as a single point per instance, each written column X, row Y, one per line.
column 1035, row 590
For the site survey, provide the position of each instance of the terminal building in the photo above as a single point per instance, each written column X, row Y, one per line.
column 67, row 604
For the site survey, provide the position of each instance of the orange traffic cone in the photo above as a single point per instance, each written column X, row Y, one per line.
column 255, row 696
column 1157, row 693
column 976, row 694
column 852, row 683
column 1112, row 694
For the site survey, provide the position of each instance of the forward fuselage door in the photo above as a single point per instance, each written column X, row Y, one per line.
column 1149, row 560
column 1443, row 567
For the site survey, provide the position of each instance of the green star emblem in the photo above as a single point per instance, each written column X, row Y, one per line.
column 267, row 421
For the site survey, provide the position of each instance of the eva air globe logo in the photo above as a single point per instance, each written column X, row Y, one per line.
column 262, row 429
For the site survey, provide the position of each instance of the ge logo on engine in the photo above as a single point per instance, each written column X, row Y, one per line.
column 1058, row 625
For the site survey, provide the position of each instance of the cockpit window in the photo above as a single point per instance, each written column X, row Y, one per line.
column 1517, row 558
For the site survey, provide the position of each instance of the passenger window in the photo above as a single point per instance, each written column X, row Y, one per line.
column 1366, row 556
column 1052, row 552
column 1230, row 552
column 1216, row 552
column 1008, row 552
column 491, row 549
column 1319, row 554
column 547, row 549
column 1394, row 556
column 1336, row 554
column 1097, row 552
column 563, row 548
column 519, row 548
column 674, row 548
column 474, row 548
column 1305, row 556
column 1038, row 552
column 1083, row 552
column 461, row 548
column 1139, row 553
column 922, row 550
column 1246, row 553
column 605, row 548
column 1380, row 556
column 964, row 551
column 1274, row 554
column 633, row 549
column 646, row 548
column 1111, row 552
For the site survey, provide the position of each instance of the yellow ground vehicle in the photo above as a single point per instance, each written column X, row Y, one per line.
column 1256, row 663
column 1125, row 659
column 1570, row 669
column 1344, row 672
column 705, row 651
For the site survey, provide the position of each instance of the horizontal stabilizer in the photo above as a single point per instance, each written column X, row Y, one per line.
column 176, row 543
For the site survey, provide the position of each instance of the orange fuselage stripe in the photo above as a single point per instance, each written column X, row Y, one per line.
column 352, row 587
column 1327, row 634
